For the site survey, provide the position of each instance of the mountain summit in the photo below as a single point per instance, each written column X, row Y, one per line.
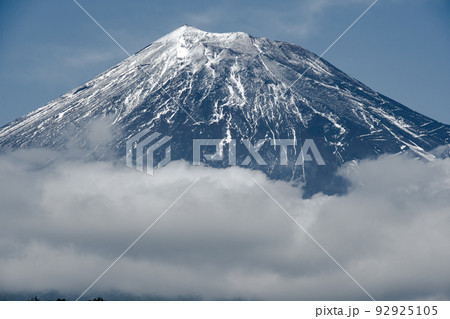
column 192, row 84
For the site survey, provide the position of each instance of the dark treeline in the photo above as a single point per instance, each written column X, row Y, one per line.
column 36, row 298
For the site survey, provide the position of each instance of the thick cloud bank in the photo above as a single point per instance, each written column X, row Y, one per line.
column 63, row 223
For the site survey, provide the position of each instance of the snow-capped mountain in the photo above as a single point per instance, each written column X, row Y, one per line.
column 192, row 84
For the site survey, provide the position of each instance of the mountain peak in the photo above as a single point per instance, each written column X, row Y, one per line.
column 193, row 84
column 188, row 29
column 183, row 32
column 188, row 42
column 190, row 32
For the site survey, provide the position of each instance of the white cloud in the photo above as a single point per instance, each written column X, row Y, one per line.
column 63, row 224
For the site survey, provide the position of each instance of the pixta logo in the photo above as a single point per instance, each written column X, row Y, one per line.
column 144, row 146
column 141, row 149
column 308, row 148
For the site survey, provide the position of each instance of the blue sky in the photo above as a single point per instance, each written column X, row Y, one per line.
column 400, row 48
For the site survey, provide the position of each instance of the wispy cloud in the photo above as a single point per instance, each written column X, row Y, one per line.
column 303, row 18
column 63, row 224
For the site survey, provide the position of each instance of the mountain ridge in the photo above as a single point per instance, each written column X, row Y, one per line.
column 194, row 84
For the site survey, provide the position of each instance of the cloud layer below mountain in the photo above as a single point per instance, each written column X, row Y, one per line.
column 64, row 222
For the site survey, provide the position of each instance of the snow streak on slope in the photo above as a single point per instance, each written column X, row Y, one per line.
column 235, row 87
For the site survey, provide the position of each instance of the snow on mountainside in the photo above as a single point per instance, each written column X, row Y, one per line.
column 195, row 84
